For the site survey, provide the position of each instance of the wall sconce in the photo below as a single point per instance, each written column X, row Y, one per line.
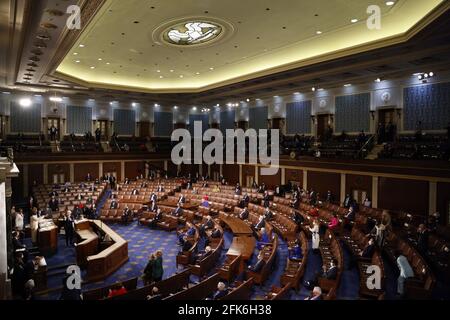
column 372, row 114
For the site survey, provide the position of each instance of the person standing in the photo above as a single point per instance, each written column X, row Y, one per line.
column 34, row 226
column 148, row 271
column 158, row 269
column 315, row 237
column 69, row 228
column 19, row 220
column 405, row 272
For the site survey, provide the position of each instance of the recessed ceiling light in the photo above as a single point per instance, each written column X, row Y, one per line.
column 181, row 76
column 318, row 32
column 211, row 68
column 156, row 105
column 248, row 100
column 175, row 107
column 55, row 99
column 275, row 96
column 313, row 89
column 81, row 46
column 354, row 20
column 197, row 73
column 320, row 89
column 6, row 92
column 37, row 95
column 377, row 80
column 296, row 92
column 108, row 63
column 172, row 70
column 194, row 108
column 75, row 53
column 161, row 77
column 92, row 67
column 100, row 59
column 348, row 85
column 390, row 3
column 77, row 61
column 158, row 71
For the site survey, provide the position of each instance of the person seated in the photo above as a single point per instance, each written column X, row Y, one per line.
column 199, row 257
column 18, row 246
column 186, row 244
column 349, row 217
column 160, row 188
column 244, row 214
column 77, row 212
column 53, row 194
column 330, row 197
column 205, row 202
column 331, row 273
column 246, row 199
column 296, row 252
column 237, row 190
column 209, row 223
column 216, row 189
column 334, row 222
column 268, row 215
column 118, row 290
column 223, row 182
column 189, row 186
column 221, row 291
column 216, row 233
column 254, row 185
column 205, row 184
column 127, row 181
column 89, row 211
column 153, row 207
column 135, row 192
column 367, row 203
column 190, row 232
column 144, row 184
column 113, row 196
column 178, row 212
column 261, row 222
column 264, row 239
column 297, row 217
column 89, row 200
column 82, row 185
column 92, row 188
column 79, row 197
column 155, row 294
column 114, row 204
column 126, row 215
column 369, row 249
column 260, row 263
column 295, row 203
column 316, row 294
column 153, row 197
column 314, row 212
column 158, row 217
column 422, row 239
column 181, row 199
column 66, row 189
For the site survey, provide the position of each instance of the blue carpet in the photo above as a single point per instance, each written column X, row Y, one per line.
column 349, row 285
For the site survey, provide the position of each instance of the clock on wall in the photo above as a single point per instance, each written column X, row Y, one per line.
column 386, row 96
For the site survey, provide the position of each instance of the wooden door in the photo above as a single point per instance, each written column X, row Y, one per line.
column 144, row 129
column 56, row 123
column 103, row 125
column 322, row 125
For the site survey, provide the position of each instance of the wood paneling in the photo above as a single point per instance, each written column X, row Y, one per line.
column 271, row 181
column 35, row 173
column 231, row 173
column 113, row 167
column 144, row 129
column 358, row 182
column 171, row 168
column 403, row 195
column 294, row 175
column 247, row 171
column 443, row 201
column 321, row 182
column 82, row 169
column 134, row 169
column 60, row 168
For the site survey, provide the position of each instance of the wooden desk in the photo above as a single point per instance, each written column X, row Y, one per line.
column 47, row 237
column 237, row 226
column 87, row 246
column 101, row 264
column 173, row 204
column 242, row 245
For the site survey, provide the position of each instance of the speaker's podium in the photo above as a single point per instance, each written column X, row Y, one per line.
column 47, row 237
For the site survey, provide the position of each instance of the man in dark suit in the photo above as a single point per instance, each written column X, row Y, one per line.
column 244, row 214
column 266, row 199
column 153, row 197
column 69, row 228
column 261, row 223
column 88, row 177
column 186, row 244
column 135, row 192
column 126, row 215
column 216, row 233
column 53, row 204
column 158, row 217
column 368, row 251
column 238, row 190
column 89, row 212
column 332, row 272
column 296, row 203
column 268, row 214
column 209, row 223
column 257, row 267
column 297, row 217
column 127, row 181
column 199, row 257
column 114, row 204
column 92, row 188
column 153, row 207
column 181, row 199
column 347, row 201
column 221, row 291
column 54, row 193
column 422, row 238
column 246, row 199
column 178, row 212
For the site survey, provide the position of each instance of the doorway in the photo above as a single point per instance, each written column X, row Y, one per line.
column 323, row 121
column 387, row 124
column 54, row 122
column 359, row 196
column 144, row 129
column 103, row 125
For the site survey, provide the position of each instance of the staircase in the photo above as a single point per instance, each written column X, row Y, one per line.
column 373, row 154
